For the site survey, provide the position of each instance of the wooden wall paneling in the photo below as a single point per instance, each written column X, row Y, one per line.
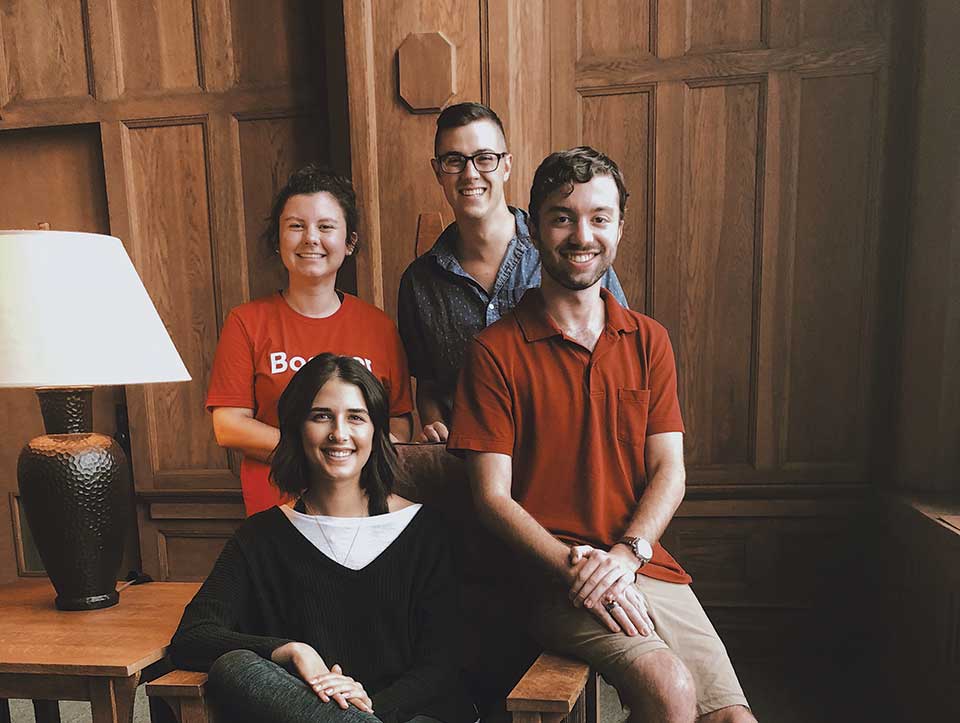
column 216, row 61
column 826, row 405
column 665, row 299
column 364, row 143
column 837, row 19
column 670, row 28
column 764, row 553
column 719, row 25
column 230, row 262
column 276, row 43
column 719, row 264
column 777, row 253
column 159, row 46
column 784, row 23
column 565, row 110
column 172, row 250
column 621, row 124
column 862, row 54
column 407, row 186
column 616, row 27
column 517, row 49
column 44, row 51
column 928, row 398
column 187, row 554
column 103, row 49
column 270, row 147
column 184, row 545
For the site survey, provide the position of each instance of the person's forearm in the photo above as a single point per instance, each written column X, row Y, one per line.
column 245, row 434
column 509, row 521
column 658, row 503
column 401, row 428
column 430, row 403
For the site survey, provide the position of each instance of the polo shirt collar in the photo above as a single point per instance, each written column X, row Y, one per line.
column 536, row 324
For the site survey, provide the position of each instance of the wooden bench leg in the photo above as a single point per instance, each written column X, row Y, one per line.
column 4, row 710
column 46, row 711
column 591, row 696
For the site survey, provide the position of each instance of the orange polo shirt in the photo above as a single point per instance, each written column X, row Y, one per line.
column 574, row 422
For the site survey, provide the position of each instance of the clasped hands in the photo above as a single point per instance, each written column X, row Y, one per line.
column 328, row 683
column 602, row 582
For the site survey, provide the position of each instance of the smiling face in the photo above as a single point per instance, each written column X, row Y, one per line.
column 578, row 233
column 313, row 236
column 471, row 194
column 337, row 435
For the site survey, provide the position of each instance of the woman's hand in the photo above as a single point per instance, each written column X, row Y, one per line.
column 306, row 662
column 342, row 688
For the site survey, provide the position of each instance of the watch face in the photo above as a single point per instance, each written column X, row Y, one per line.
column 642, row 548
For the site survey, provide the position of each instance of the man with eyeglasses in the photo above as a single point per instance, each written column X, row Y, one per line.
column 479, row 267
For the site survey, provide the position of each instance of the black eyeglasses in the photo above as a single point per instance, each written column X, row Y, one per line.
column 484, row 161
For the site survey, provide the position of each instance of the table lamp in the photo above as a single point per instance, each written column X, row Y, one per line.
column 75, row 315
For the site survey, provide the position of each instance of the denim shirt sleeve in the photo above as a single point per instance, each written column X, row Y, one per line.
column 612, row 283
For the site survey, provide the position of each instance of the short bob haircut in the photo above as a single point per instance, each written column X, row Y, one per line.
column 462, row 114
column 313, row 178
column 560, row 170
column 289, row 469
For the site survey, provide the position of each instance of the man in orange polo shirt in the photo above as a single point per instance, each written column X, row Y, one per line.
column 567, row 414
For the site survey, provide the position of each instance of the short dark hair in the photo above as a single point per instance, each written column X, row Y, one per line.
column 289, row 469
column 313, row 178
column 562, row 169
column 462, row 114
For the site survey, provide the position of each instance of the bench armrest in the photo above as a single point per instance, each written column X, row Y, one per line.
column 551, row 685
column 183, row 691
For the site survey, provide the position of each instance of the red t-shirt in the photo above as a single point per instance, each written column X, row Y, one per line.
column 264, row 342
column 574, row 422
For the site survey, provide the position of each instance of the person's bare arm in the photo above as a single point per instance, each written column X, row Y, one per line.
column 401, row 428
column 606, row 574
column 490, row 482
column 236, row 428
column 430, row 406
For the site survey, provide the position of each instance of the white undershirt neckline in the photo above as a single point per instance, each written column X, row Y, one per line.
column 356, row 541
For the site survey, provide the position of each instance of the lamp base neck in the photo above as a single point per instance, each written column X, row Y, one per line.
column 66, row 410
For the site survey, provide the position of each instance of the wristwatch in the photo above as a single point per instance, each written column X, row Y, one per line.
column 640, row 548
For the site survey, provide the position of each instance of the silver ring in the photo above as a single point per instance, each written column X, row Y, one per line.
column 611, row 606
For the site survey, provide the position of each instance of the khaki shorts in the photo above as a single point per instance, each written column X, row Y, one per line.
column 681, row 626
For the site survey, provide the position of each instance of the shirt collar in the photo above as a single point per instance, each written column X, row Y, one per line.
column 443, row 250
column 536, row 324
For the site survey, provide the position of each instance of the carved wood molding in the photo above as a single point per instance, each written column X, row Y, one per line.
column 609, row 72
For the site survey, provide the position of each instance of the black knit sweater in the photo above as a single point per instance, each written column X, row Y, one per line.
column 391, row 625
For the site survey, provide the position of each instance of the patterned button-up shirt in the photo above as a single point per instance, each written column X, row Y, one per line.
column 441, row 307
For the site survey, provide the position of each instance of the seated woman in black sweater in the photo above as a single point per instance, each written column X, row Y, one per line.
column 342, row 608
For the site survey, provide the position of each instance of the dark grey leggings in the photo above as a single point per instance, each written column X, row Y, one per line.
column 249, row 689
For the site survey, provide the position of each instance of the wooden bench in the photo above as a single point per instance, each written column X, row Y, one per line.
column 553, row 689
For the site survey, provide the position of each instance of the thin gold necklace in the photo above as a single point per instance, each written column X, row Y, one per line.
column 326, row 539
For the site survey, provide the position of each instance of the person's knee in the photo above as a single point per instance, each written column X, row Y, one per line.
column 229, row 667
column 730, row 714
column 660, row 684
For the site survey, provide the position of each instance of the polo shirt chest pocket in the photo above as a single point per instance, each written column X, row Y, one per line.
column 632, row 415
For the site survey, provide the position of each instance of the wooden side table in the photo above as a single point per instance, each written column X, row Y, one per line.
column 96, row 655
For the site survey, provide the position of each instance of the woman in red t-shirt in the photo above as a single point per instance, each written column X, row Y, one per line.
column 312, row 228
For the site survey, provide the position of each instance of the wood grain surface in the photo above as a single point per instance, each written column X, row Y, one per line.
column 35, row 637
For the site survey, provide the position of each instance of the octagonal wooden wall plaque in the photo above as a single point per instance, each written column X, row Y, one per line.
column 427, row 71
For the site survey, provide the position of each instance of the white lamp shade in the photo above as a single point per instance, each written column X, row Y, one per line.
column 73, row 312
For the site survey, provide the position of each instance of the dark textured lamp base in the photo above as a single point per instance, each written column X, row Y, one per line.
column 93, row 602
column 75, row 491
